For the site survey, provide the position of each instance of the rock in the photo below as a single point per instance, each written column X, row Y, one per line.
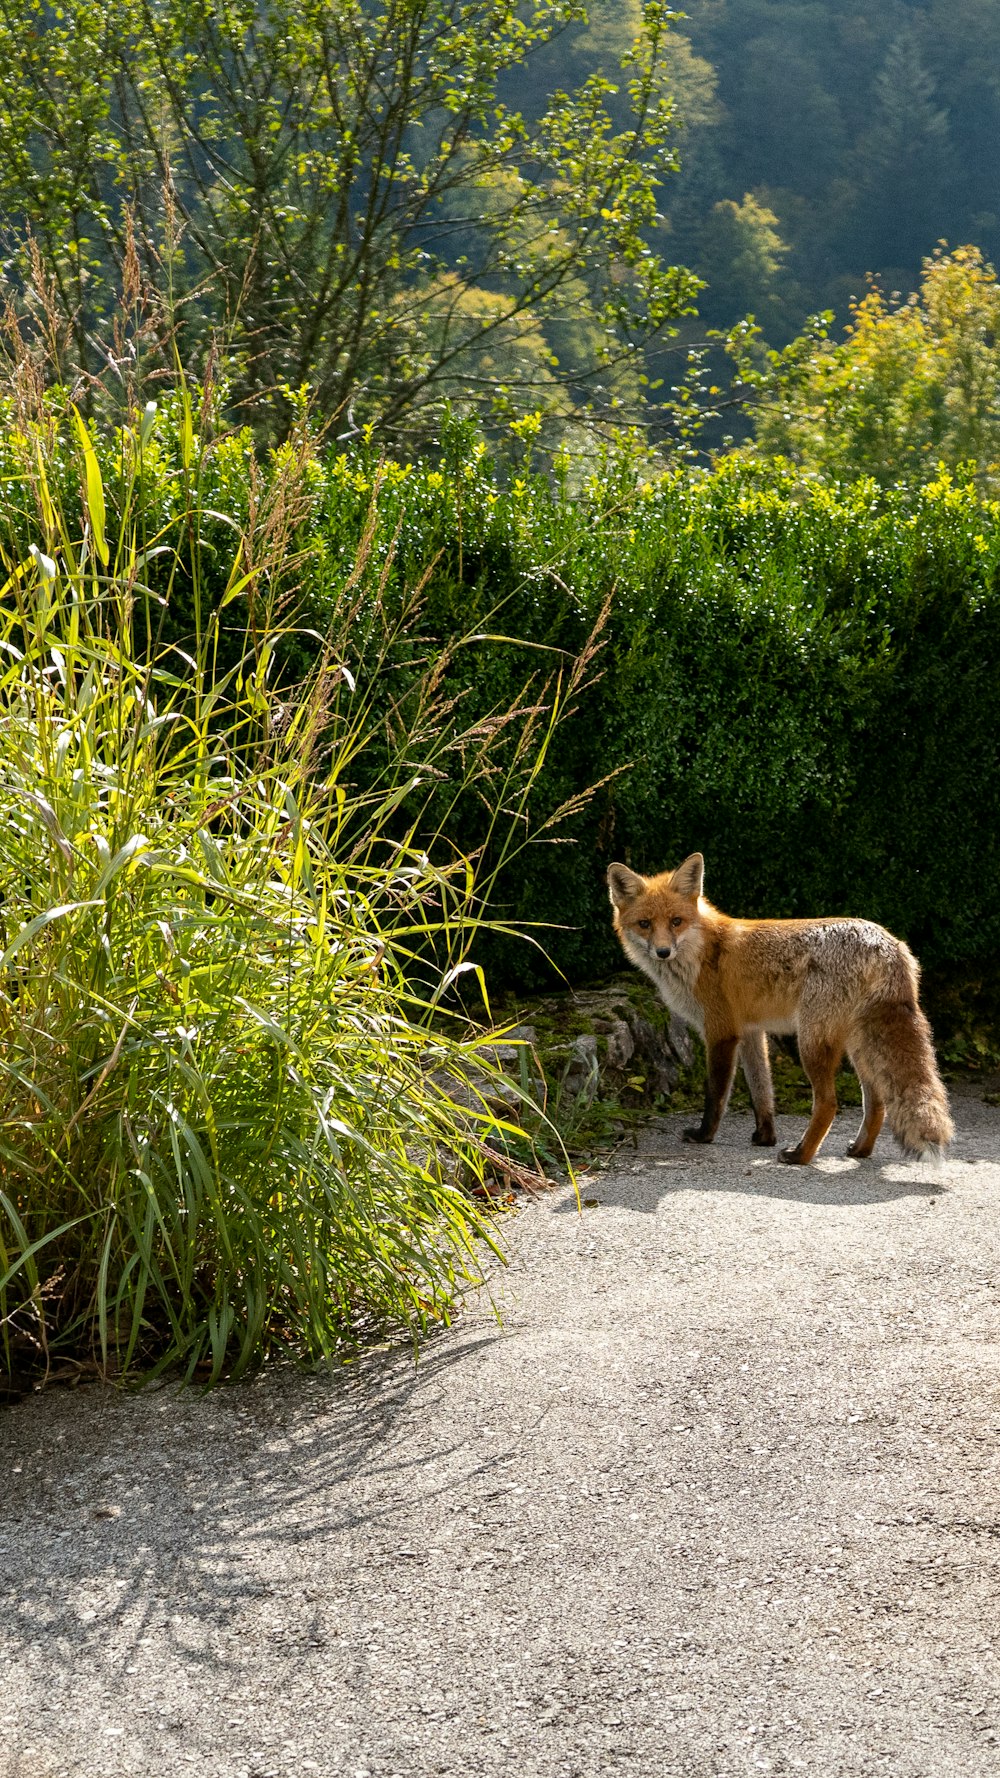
column 681, row 1041
column 620, row 1045
column 508, row 1053
column 582, row 1076
column 630, row 1042
column 605, row 1003
column 474, row 1090
column 652, row 1048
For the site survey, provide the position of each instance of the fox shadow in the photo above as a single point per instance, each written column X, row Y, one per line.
column 662, row 1165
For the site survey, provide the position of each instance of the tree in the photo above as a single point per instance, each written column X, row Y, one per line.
column 742, row 257
column 962, row 45
column 339, row 187
column 904, row 162
column 913, row 384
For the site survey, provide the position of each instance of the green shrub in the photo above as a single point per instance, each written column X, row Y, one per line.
column 799, row 680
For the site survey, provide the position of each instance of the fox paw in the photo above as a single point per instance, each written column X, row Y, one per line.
column 695, row 1136
column 764, row 1136
column 793, row 1156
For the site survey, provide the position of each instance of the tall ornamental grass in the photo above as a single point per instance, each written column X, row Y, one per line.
column 232, row 1111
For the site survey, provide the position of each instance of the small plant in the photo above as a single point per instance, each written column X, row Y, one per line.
column 230, row 1120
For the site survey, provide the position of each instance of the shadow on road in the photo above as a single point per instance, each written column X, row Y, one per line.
column 661, row 1165
column 644, row 1189
column 119, row 1522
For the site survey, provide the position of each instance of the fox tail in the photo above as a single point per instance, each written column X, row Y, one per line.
column 893, row 1053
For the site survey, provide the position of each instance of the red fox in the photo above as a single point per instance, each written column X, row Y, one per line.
column 838, row 984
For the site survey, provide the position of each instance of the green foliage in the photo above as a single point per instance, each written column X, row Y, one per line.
column 342, row 192
column 742, row 257
column 797, row 679
column 869, row 127
column 904, row 160
column 913, row 383
column 234, row 1116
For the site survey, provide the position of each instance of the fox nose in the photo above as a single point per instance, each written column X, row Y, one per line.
column 664, row 950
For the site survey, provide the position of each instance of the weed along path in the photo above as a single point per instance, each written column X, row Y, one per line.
column 721, row 1497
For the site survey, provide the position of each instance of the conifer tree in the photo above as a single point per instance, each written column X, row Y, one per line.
column 905, row 163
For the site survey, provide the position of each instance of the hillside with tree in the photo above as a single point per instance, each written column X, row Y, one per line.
column 833, row 140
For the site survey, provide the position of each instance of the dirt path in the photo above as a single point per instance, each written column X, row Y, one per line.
column 720, row 1498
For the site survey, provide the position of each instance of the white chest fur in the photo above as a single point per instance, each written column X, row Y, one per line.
column 674, row 981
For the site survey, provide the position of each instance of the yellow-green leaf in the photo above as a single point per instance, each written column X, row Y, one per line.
column 45, row 498
column 95, row 487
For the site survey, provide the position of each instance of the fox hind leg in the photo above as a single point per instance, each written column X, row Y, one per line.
column 756, row 1065
column 821, row 1057
column 872, row 1119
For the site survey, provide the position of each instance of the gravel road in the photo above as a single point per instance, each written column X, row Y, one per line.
column 719, row 1497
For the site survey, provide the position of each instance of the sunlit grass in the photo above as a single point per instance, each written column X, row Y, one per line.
column 226, row 1114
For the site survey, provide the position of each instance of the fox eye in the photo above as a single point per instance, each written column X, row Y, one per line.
column 676, row 921
column 644, row 925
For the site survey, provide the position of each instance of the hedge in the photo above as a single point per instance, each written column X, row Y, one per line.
column 799, row 680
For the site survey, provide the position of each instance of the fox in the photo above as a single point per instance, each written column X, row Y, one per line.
column 840, row 985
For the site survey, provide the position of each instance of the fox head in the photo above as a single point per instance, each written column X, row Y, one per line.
column 657, row 917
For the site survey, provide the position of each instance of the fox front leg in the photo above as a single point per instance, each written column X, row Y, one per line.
column 756, row 1065
column 721, row 1066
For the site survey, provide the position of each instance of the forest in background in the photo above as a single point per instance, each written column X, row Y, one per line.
column 825, row 152
column 826, row 140
column 822, row 144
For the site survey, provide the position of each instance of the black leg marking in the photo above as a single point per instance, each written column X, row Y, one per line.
column 721, row 1068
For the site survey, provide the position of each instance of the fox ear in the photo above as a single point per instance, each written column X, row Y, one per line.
column 623, row 884
column 689, row 878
